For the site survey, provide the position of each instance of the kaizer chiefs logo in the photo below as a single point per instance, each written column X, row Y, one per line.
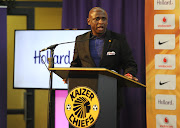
column 82, row 107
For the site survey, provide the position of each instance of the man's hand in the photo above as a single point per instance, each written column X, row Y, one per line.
column 128, row 75
column 135, row 78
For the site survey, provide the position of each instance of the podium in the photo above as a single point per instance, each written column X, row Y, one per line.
column 105, row 83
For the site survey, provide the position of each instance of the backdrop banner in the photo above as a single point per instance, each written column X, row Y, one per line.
column 162, row 21
column 3, row 66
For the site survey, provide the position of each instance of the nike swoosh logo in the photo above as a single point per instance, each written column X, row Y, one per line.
column 162, row 42
column 163, row 83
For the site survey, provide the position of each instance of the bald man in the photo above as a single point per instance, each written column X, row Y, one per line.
column 103, row 48
column 98, row 20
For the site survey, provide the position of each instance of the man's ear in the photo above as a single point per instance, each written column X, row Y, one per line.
column 88, row 21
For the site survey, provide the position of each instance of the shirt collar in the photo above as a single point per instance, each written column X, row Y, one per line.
column 94, row 37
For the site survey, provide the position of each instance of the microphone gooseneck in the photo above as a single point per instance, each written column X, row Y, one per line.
column 54, row 45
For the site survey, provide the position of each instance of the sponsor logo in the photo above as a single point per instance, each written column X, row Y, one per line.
column 58, row 59
column 82, row 107
column 164, row 21
column 160, row 43
column 166, row 82
column 164, row 61
column 164, row 41
column 165, row 102
column 160, row 83
column 164, row 4
column 166, row 121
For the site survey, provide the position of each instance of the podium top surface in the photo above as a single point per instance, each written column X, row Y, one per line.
column 63, row 73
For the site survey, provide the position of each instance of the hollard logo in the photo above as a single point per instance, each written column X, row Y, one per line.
column 164, row 2
column 82, row 107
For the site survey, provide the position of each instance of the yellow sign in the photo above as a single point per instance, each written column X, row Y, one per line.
column 82, row 107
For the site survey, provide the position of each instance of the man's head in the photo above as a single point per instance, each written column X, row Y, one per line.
column 98, row 20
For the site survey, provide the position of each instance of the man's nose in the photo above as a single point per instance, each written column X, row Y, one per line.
column 101, row 21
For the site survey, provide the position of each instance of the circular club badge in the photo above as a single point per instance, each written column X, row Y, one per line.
column 82, row 107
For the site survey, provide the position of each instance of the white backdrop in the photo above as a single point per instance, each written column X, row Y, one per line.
column 29, row 70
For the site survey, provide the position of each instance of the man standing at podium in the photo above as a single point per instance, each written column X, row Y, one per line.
column 103, row 48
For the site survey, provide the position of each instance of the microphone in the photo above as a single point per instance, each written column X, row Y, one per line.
column 54, row 45
column 50, row 47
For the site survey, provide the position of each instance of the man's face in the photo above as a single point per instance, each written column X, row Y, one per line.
column 98, row 21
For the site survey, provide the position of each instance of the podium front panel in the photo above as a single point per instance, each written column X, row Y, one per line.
column 106, row 90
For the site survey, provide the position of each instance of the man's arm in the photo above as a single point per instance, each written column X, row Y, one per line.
column 128, row 63
column 76, row 60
